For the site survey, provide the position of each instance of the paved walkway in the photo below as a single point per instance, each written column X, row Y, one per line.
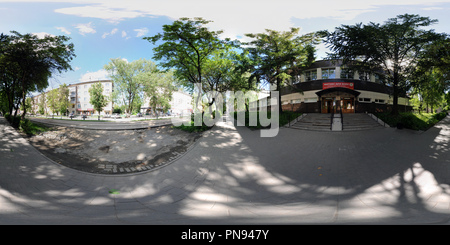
column 232, row 176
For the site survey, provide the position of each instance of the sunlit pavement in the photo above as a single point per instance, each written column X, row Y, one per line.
column 233, row 176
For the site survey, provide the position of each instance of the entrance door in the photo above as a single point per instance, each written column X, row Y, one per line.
column 327, row 105
column 348, row 105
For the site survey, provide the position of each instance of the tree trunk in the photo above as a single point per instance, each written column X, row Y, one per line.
column 280, row 107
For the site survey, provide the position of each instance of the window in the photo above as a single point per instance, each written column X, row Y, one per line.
column 310, row 100
column 311, row 75
column 328, row 74
column 379, row 101
column 378, row 78
column 295, row 79
column 364, row 100
column 364, row 76
column 347, row 73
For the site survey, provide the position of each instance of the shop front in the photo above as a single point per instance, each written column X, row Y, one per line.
column 338, row 96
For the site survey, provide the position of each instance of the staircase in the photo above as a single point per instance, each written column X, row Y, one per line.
column 322, row 122
column 359, row 121
column 314, row 121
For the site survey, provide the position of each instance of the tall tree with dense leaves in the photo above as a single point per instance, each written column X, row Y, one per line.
column 158, row 89
column 63, row 98
column 274, row 55
column 126, row 77
column 393, row 47
column 97, row 98
column 186, row 47
column 30, row 61
column 432, row 74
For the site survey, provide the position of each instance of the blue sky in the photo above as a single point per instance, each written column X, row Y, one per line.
column 105, row 29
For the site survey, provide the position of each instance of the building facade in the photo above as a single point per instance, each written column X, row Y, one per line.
column 79, row 98
column 327, row 87
column 181, row 104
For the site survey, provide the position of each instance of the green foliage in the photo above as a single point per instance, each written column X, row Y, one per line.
column 97, row 98
column 276, row 56
column 192, row 128
column 187, row 45
column 25, row 125
column 414, row 121
column 27, row 62
column 128, row 79
column 393, row 48
column 158, row 88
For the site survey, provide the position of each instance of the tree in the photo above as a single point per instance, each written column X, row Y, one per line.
column 97, row 98
column 431, row 78
column 27, row 62
column 187, row 46
column 158, row 88
column 393, row 48
column 63, row 98
column 52, row 100
column 127, row 79
column 274, row 55
column 42, row 104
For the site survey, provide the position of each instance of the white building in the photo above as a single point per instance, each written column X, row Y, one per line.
column 180, row 104
column 79, row 98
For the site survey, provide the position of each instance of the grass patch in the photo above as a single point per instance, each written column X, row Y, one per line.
column 25, row 125
column 414, row 121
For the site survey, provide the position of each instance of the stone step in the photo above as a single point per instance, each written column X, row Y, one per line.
column 322, row 122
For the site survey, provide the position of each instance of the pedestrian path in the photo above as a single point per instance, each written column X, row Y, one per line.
column 232, row 176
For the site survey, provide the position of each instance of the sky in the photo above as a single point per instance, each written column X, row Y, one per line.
column 105, row 29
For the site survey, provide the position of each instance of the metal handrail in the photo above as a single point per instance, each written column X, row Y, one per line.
column 331, row 122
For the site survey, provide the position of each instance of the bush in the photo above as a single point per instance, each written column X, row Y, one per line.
column 415, row 121
column 25, row 125
column 192, row 128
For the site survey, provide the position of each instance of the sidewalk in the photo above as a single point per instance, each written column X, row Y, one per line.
column 232, row 176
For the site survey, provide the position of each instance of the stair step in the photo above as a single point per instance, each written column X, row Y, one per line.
column 322, row 122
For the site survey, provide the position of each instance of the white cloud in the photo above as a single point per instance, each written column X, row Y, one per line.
column 94, row 76
column 141, row 32
column 124, row 33
column 113, row 31
column 85, row 28
column 236, row 17
column 102, row 11
column 64, row 30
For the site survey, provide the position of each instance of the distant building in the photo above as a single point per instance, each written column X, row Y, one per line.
column 181, row 104
column 79, row 98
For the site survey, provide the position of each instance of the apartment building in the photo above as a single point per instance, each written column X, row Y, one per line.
column 79, row 98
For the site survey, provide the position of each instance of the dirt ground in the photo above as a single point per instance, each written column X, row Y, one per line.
column 113, row 152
